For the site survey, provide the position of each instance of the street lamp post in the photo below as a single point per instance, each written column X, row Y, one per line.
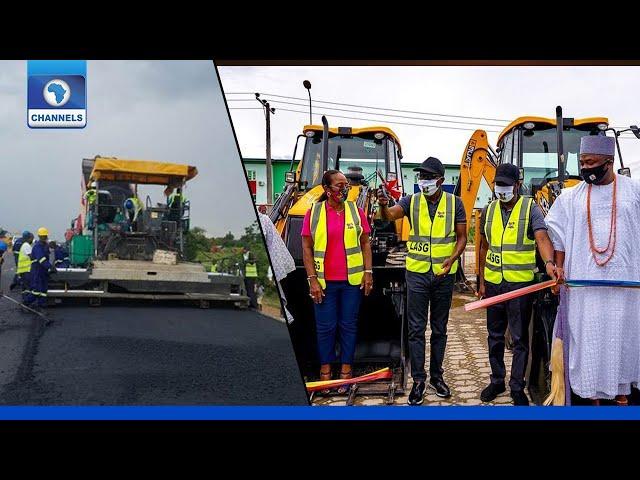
column 307, row 85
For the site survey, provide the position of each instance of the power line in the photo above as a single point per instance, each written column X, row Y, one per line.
column 624, row 136
column 388, row 114
column 377, row 108
column 374, row 108
column 386, row 121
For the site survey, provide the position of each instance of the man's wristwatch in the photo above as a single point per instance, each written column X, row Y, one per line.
column 549, row 261
column 368, row 271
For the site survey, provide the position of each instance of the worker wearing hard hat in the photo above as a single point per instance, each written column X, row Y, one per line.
column 510, row 226
column 91, row 193
column 40, row 267
column 437, row 238
column 23, row 266
column 133, row 207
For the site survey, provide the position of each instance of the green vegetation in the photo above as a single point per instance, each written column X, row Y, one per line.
column 227, row 251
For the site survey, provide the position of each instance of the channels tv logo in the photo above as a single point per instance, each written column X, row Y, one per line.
column 57, row 95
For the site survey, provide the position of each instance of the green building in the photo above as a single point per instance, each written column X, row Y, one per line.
column 257, row 175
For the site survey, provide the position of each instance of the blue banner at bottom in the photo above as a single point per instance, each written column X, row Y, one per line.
column 318, row 413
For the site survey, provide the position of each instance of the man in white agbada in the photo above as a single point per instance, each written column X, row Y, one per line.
column 595, row 229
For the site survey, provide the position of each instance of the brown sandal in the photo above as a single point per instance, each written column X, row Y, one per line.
column 622, row 401
column 323, row 377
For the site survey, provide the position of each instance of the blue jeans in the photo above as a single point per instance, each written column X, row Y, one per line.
column 338, row 314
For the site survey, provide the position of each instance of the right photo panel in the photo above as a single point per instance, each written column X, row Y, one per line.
column 449, row 235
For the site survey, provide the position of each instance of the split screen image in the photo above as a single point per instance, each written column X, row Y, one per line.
column 255, row 235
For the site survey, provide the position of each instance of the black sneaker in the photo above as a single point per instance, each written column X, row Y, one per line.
column 519, row 398
column 492, row 391
column 416, row 397
column 441, row 388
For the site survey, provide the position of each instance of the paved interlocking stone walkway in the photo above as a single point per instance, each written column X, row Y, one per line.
column 466, row 365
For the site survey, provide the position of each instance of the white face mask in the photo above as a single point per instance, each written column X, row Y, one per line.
column 504, row 194
column 429, row 187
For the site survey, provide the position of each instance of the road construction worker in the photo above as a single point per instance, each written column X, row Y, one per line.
column 61, row 255
column 3, row 250
column 214, row 267
column 91, row 193
column 16, row 253
column 40, row 267
column 176, row 202
column 133, row 207
column 90, row 197
column 250, row 277
column 176, row 199
column 510, row 226
column 23, row 267
column 437, row 238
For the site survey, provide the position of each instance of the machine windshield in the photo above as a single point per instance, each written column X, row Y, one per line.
column 367, row 153
column 539, row 153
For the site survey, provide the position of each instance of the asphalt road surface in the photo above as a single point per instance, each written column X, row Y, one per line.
column 133, row 354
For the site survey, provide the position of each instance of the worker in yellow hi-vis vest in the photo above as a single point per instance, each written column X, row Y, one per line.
column 437, row 238
column 338, row 260
column 23, row 268
column 250, row 277
column 510, row 227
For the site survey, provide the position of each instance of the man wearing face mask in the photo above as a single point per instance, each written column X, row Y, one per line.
column 595, row 230
column 437, row 238
column 510, row 226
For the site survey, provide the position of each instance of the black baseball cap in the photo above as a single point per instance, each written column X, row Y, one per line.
column 431, row 165
column 507, row 173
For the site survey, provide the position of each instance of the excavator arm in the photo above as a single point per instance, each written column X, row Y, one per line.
column 477, row 162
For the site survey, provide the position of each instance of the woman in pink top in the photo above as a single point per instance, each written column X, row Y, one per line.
column 338, row 303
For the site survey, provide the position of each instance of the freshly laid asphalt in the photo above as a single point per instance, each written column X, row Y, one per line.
column 144, row 354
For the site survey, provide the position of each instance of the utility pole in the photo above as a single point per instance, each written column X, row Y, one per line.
column 268, row 111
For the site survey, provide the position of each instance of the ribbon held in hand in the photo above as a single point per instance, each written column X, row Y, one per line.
column 487, row 302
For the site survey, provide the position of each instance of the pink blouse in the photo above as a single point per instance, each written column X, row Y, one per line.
column 335, row 259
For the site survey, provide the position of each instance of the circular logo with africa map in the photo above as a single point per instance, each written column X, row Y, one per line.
column 56, row 92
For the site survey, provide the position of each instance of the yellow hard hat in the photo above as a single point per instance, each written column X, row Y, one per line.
column 43, row 232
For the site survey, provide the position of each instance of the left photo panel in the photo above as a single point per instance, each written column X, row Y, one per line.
column 133, row 268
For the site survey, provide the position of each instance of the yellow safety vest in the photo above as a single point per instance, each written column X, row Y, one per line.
column 352, row 231
column 90, row 195
column 251, row 270
column 24, row 261
column 430, row 243
column 180, row 196
column 511, row 254
column 214, row 267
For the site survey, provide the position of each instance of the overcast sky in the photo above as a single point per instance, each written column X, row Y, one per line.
column 491, row 92
column 169, row 111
